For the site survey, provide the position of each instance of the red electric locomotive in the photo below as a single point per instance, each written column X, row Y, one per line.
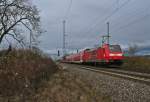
column 106, row 54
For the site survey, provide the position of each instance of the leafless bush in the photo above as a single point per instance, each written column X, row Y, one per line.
column 133, row 49
column 21, row 72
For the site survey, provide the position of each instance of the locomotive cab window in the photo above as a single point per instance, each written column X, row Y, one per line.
column 115, row 48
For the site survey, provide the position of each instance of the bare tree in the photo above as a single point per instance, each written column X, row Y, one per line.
column 133, row 49
column 15, row 16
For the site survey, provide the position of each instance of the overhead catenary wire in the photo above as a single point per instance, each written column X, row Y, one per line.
column 118, row 7
column 109, row 16
column 96, row 18
column 98, row 21
column 131, row 23
column 114, row 12
column 135, row 14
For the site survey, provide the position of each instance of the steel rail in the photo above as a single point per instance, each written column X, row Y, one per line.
column 131, row 73
column 132, row 77
column 138, row 77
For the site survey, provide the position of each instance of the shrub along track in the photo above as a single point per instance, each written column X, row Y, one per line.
column 134, row 76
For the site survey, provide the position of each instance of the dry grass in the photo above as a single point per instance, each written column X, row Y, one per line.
column 63, row 86
column 26, row 76
column 21, row 72
column 139, row 64
column 68, row 86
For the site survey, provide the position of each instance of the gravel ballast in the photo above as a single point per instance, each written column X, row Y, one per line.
column 120, row 90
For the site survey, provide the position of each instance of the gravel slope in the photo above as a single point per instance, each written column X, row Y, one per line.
column 120, row 90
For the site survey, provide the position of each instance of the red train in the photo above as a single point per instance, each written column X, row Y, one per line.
column 106, row 54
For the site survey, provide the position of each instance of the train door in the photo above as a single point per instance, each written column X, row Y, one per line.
column 103, row 54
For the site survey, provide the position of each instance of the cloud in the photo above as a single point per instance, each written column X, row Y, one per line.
column 85, row 24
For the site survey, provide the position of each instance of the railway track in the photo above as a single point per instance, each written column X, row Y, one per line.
column 134, row 76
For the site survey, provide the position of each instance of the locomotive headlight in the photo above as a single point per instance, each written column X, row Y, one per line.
column 112, row 54
column 119, row 54
column 115, row 54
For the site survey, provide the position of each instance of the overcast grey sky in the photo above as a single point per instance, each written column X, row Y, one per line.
column 86, row 22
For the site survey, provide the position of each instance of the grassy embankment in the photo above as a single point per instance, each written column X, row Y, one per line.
column 22, row 72
column 139, row 64
column 26, row 76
